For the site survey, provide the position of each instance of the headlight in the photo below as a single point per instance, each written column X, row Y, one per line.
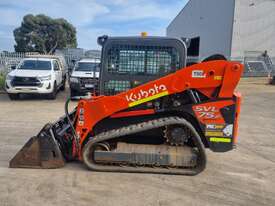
column 45, row 78
column 9, row 77
column 74, row 80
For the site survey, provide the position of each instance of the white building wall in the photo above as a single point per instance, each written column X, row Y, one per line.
column 254, row 27
column 212, row 20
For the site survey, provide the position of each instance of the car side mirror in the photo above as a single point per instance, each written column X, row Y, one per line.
column 13, row 67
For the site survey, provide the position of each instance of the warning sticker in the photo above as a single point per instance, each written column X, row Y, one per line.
column 198, row 74
column 214, row 133
column 219, row 130
column 217, row 77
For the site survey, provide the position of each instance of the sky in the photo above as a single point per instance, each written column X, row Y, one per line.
column 92, row 18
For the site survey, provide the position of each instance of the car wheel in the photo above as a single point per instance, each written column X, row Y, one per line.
column 73, row 93
column 52, row 95
column 14, row 96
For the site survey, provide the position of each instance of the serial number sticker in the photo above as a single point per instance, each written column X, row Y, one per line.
column 198, row 74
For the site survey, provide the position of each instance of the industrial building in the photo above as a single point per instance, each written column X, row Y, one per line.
column 229, row 27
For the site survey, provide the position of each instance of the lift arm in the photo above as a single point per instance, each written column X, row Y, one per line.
column 205, row 77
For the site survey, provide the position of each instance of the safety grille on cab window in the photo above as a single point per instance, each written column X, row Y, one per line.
column 149, row 60
column 113, row 87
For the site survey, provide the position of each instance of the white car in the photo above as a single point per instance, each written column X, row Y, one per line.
column 85, row 77
column 36, row 75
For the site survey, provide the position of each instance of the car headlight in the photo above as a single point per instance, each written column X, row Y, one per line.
column 45, row 78
column 9, row 77
column 74, row 80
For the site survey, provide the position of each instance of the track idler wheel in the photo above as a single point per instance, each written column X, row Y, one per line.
column 41, row 151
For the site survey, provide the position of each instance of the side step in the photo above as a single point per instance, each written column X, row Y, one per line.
column 41, row 151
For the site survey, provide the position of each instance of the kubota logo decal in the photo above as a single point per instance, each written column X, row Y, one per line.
column 135, row 98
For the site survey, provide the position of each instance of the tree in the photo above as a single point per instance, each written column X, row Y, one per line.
column 43, row 34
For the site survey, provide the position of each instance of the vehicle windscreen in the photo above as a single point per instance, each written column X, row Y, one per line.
column 87, row 67
column 35, row 65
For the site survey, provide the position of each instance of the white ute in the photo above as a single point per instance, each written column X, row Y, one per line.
column 85, row 77
column 41, row 74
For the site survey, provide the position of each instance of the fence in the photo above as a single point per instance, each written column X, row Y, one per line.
column 256, row 63
column 9, row 59
column 72, row 55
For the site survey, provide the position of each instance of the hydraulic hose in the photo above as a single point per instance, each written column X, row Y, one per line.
column 70, row 122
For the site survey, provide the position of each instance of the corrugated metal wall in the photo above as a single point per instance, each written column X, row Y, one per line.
column 212, row 20
column 254, row 27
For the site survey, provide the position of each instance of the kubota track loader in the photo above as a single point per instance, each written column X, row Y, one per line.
column 163, row 125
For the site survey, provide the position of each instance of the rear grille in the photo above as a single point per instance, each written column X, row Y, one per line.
column 25, row 81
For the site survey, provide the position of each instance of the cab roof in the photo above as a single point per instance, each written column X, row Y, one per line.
column 43, row 56
column 40, row 59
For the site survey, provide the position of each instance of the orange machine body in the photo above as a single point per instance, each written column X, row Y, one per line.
column 215, row 79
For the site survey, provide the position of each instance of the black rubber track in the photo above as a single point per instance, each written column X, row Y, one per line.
column 131, row 129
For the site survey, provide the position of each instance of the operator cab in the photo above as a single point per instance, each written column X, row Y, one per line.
column 127, row 62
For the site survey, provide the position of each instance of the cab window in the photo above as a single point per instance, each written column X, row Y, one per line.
column 87, row 67
column 35, row 65
column 56, row 66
